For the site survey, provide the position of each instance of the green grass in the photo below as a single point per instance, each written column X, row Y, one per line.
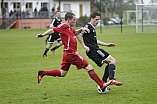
column 147, row 29
column 21, row 58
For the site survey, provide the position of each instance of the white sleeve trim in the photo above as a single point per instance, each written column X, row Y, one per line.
column 53, row 21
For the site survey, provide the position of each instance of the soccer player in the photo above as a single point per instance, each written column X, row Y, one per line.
column 98, row 55
column 70, row 54
column 55, row 22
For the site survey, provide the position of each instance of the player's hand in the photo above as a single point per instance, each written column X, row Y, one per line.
column 87, row 48
column 85, row 30
column 111, row 45
column 39, row 35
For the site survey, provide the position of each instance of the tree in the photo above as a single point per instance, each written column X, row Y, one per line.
column 153, row 1
column 111, row 7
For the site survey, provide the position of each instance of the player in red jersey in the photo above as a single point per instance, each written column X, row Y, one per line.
column 70, row 54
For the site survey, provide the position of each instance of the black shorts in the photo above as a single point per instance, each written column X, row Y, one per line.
column 53, row 37
column 98, row 56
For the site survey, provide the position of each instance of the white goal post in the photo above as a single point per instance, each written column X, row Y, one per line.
column 146, row 18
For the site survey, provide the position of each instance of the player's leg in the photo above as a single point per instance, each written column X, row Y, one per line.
column 81, row 62
column 99, row 56
column 51, row 41
column 111, row 68
column 106, row 74
column 96, row 78
column 57, row 37
column 47, row 49
column 42, row 73
column 57, row 46
column 47, row 39
column 54, row 72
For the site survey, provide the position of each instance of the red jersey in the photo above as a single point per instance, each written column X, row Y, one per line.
column 68, row 38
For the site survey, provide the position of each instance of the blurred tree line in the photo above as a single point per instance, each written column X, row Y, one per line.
column 110, row 8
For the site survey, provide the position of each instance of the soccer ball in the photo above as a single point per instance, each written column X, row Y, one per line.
column 104, row 91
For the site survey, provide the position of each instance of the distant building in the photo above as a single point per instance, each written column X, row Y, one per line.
column 79, row 7
column 38, row 13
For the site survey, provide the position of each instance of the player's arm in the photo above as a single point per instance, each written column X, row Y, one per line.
column 79, row 37
column 85, row 30
column 50, row 31
column 51, row 26
column 105, row 44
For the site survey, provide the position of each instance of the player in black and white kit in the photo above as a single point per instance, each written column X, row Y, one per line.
column 55, row 22
column 98, row 55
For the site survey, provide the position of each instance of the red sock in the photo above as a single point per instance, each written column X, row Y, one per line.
column 95, row 77
column 52, row 73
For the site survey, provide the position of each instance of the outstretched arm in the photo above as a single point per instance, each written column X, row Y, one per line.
column 51, row 26
column 85, row 30
column 105, row 44
column 79, row 37
column 46, row 33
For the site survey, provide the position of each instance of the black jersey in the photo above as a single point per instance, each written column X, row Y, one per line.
column 90, row 39
column 56, row 21
column 96, row 54
column 53, row 36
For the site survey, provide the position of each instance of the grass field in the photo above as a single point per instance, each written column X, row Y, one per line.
column 21, row 58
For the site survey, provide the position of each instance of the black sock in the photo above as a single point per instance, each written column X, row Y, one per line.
column 106, row 74
column 46, row 50
column 54, row 48
column 111, row 69
column 47, row 37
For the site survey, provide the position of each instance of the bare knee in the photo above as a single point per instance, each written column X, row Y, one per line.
column 49, row 45
column 63, row 73
column 89, row 67
column 110, row 59
column 113, row 61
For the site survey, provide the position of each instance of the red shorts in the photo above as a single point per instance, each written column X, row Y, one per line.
column 74, row 59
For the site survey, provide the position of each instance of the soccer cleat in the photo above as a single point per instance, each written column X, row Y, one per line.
column 115, row 82
column 53, row 51
column 40, row 75
column 106, row 84
column 45, row 56
column 109, row 88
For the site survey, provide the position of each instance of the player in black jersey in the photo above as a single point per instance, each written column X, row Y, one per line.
column 98, row 55
column 55, row 22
